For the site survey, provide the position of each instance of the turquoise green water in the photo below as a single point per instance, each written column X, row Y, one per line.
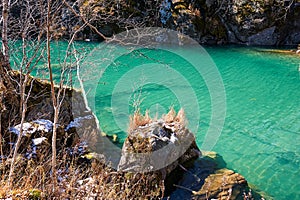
column 261, row 135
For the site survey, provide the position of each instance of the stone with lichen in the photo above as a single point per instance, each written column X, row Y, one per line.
column 222, row 184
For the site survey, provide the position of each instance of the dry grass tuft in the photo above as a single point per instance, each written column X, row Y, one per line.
column 139, row 120
column 172, row 117
column 78, row 179
column 180, row 117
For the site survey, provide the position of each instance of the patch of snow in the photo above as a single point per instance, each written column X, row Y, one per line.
column 77, row 122
column 27, row 128
column 31, row 127
column 37, row 141
column 173, row 138
column 44, row 125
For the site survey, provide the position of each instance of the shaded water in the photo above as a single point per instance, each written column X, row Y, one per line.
column 261, row 135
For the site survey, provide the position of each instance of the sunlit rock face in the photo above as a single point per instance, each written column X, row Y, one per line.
column 206, row 21
column 222, row 184
column 159, row 145
column 259, row 22
column 255, row 22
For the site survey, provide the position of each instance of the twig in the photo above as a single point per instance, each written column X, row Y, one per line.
column 185, row 188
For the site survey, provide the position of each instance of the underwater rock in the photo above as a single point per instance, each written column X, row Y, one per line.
column 222, row 184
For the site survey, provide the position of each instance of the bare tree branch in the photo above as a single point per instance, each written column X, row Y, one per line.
column 84, row 20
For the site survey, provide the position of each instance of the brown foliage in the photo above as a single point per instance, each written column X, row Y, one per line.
column 171, row 116
column 138, row 120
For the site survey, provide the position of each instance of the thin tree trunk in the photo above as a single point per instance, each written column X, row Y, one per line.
column 15, row 153
column 4, row 68
column 54, row 101
column 1, row 107
column 5, row 48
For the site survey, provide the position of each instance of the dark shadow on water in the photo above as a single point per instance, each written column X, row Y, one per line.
column 193, row 177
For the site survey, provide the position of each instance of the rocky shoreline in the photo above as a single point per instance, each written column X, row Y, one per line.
column 211, row 22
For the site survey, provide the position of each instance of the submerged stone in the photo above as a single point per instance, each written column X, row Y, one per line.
column 222, row 184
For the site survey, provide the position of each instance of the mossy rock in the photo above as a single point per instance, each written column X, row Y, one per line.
column 35, row 194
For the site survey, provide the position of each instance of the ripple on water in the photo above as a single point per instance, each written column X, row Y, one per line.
column 261, row 135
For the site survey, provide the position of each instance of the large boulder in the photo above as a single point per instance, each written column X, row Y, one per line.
column 158, row 146
column 256, row 22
